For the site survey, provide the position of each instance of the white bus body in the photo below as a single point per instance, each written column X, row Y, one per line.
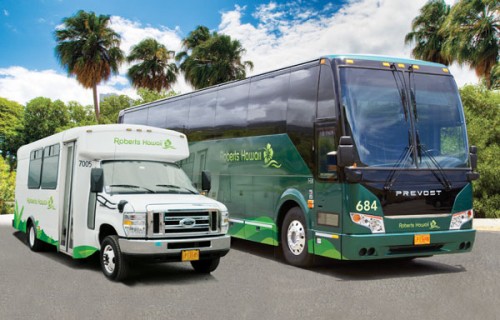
column 137, row 204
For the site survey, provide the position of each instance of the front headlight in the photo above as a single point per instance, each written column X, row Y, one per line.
column 134, row 224
column 224, row 221
column 460, row 218
column 374, row 223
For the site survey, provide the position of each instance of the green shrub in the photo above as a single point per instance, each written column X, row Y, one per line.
column 483, row 127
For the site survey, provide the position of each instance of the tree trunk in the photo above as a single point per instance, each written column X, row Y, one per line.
column 96, row 103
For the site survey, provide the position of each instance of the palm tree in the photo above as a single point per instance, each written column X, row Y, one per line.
column 474, row 35
column 153, row 71
column 211, row 59
column 89, row 49
column 194, row 39
column 427, row 34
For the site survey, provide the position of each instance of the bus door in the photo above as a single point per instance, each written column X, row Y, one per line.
column 326, row 216
column 66, row 225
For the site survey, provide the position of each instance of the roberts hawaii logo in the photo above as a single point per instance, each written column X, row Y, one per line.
column 168, row 145
column 266, row 155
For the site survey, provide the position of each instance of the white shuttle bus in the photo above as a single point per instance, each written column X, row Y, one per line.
column 117, row 189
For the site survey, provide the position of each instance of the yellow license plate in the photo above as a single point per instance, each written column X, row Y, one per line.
column 421, row 239
column 190, row 255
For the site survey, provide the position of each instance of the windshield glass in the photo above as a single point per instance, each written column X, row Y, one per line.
column 378, row 115
column 133, row 177
column 439, row 121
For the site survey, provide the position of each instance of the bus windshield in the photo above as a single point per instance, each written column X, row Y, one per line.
column 380, row 105
column 135, row 176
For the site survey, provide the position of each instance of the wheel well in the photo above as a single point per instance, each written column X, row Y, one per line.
column 106, row 230
column 285, row 207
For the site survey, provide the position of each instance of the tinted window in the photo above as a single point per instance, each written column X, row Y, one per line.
column 202, row 116
column 177, row 113
column 156, row 116
column 50, row 167
column 232, row 103
column 268, row 102
column 302, row 110
column 326, row 95
column 136, row 117
column 35, row 170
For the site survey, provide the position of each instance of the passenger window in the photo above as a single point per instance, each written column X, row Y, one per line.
column 231, row 112
column 267, row 104
column 50, row 167
column 326, row 94
column 35, row 169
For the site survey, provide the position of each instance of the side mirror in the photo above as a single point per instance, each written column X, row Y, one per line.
column 473, row 164
column 345, row 152
column 206, row 181
column 96, row 180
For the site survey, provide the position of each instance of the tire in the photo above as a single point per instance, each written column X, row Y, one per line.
column 33, row 242
column 113, row 263
column 294, row 239
column 205, row 266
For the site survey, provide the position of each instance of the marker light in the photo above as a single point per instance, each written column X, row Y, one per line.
column 386, row 64
column 446, row 70
column 349, row 61
column 374, row 223
column 460, row 218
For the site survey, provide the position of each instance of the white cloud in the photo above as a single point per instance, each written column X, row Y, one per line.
column 6, row 13
column 285, row 34
column 360, row 26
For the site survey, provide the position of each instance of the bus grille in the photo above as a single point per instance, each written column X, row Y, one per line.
column 183, row 223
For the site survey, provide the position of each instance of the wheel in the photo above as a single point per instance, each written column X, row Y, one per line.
column 294, row 239
column 113, row 263
column 205, row 266
column 33, row 242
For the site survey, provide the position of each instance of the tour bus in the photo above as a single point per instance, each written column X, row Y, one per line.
column 351, row 157
column 117, row 189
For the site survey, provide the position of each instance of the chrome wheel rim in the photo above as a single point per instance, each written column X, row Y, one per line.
column 108, row 259
column 32, row 236
column 296, row 237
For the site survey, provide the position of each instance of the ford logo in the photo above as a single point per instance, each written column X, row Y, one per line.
column 187, row 222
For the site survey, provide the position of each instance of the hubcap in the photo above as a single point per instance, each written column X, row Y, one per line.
column 296, row 237
column 32, row 236
column 108, row 258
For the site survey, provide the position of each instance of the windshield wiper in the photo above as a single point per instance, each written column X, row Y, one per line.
column 131, row 186
column 401, row 90
column 405, row 155
column 423, row 150
column 175, row 187
column 413, row 90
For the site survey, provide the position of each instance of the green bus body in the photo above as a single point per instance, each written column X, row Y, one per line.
column 272, row 147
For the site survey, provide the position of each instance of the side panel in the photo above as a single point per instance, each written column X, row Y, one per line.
column 38, row 206
column 250, row 176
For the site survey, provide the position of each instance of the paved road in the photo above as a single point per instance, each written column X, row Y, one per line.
column 251, row 283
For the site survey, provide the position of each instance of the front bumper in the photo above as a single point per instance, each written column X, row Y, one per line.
column 398, row 245
column 208, row 246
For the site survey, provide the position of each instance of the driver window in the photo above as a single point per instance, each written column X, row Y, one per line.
column 326, row 166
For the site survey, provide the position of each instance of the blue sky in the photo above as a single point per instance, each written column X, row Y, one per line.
column 274, row 33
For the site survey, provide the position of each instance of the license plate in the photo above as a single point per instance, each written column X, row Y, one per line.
column 421, row 239
column 190, row 255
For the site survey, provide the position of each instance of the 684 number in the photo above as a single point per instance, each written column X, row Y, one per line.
column 366, row 206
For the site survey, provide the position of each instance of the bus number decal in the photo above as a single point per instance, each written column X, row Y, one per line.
column 366, row 206
column 85, row 164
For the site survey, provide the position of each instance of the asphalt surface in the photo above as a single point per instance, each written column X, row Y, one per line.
column 251, row 282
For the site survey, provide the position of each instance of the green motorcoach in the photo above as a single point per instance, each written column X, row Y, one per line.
column 349, row 157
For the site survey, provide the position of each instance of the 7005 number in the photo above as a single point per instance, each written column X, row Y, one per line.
column 366, row 206
column 85, row 164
